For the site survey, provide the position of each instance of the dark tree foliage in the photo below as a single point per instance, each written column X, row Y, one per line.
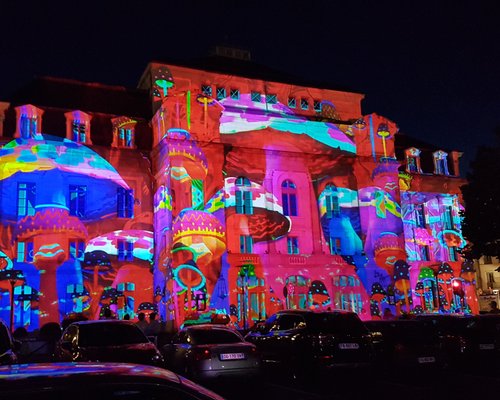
column 482, row 203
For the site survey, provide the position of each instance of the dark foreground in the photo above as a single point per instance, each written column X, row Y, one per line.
column 366, row 384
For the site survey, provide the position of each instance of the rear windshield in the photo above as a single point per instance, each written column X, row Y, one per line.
column 336, row 323
column 110, row 335
column 214, row 336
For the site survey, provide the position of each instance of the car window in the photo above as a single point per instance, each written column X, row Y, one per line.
column 214, row 336
column 336, row 323
column 110, row 334
column 288, row 321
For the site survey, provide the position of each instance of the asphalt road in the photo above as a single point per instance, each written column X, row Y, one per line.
column 424, row 384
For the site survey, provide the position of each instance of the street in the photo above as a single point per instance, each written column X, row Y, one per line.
column 428, row 384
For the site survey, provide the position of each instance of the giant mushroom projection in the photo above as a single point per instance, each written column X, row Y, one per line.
column 55, row 218
column 136, row 268
column 266, row 222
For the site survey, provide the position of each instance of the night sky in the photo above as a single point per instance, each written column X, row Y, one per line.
column 433, row 67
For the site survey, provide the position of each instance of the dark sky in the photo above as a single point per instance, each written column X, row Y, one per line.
column 433, row 67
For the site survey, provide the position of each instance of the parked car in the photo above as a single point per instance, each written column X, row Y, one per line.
column 299, row 341
column 211, row 351
column 107, row 340
column 483, row 341
column 83, row 381
column 8, row 346
column 404, row 343
column 453, row 335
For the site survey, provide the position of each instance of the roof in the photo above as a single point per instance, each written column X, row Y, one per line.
column 250, row 69
column 71, row 94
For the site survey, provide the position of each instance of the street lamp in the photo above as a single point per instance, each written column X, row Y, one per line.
column 13, row 276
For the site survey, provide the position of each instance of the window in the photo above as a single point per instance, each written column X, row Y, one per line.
column 244, row 200
column 125, row 250
column 289, row 198
column 123, row 132
column 246, row 244
column 125, row 137
column 271, row 98
column 335, row 245
column 293, row 244
column 221, row 93
column 411, row 164
column 206, row 90
column 488, row 260
column 77, row 197
column 26, row 198
column 235, row 94
column 440, row 162
column 28, row 126
column 304, row 104
column 292, row 102
column 413, row 160
column 79, row 131
column 125, row 203
column 491, row 277
column 317, row 106
column 424, row 253
column 255, row 96
column 332, row 203
column 29, row 121
column 77, row 249
column 419, row 216
column 452, row 253
column 78, row 126
column 25, row 251
column 448, row 218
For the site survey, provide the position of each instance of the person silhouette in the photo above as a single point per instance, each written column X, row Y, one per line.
column 142, row 323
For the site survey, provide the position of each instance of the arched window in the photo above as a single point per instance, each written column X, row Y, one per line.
column 243, row 195
column 297, row 292
column 289, row 198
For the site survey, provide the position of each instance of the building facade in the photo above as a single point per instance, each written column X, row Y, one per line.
column 206, row 193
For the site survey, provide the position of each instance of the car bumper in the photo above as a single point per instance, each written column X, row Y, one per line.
column 226, row 373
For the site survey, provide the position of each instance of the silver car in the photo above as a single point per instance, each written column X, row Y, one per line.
column 211, row 351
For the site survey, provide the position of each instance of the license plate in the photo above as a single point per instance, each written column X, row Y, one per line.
column 348, row 346
column 486, row 346
column 232, row 356
column 426, row 360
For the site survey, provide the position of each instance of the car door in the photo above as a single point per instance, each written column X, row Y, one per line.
column 179, row 351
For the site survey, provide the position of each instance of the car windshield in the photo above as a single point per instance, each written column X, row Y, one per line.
column 110, row 335
column 334, row 323
column 214, row 336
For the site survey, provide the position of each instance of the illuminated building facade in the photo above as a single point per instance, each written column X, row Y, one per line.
column 207, row 193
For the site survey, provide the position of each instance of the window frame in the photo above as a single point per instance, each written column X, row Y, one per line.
column 292, row 243
column 256, row 97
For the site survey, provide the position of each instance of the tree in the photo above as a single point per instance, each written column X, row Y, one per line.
column 481, row 195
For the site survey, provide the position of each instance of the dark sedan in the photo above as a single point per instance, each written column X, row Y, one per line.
column 84, row 381
column 107, row 340
column 300, row 341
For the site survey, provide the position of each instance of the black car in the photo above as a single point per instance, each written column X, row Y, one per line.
column 107, row 340
column 404, row 344
column 8, row 346
column 83, row 381
column 299, row 341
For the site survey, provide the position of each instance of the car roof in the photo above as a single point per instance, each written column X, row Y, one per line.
column 64, row 370
column 209, row 327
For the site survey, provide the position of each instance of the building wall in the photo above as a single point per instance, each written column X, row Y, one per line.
column 256, row 196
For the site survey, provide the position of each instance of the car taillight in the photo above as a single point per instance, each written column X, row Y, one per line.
column 202, row 354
